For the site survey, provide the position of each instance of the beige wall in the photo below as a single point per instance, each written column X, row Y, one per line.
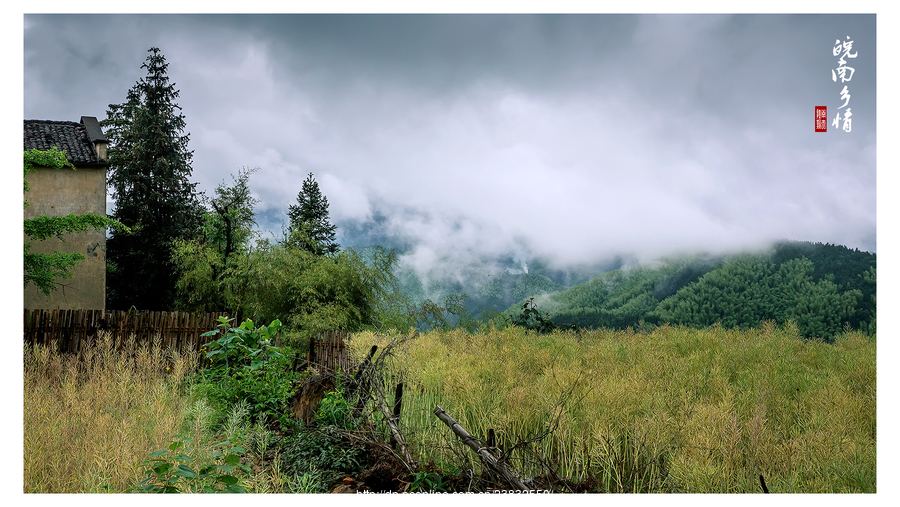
column 58, row 193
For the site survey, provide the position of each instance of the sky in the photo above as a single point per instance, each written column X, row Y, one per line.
column 571, row 138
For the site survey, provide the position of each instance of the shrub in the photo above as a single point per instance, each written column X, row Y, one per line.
column 244, row 345
column 175, row 470
column 531, row 318
column 321, row 457
column 334, row 410
column 243, row 365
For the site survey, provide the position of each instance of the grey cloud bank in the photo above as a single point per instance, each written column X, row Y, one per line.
column 573, row 138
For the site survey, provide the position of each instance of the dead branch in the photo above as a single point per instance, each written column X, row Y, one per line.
column 554, row 415
column 368, row 384
column 361, row 381
column 504, row 471
column 392, row 424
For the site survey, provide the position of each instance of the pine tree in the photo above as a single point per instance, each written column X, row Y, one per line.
column 149, row 167
column 309, row 225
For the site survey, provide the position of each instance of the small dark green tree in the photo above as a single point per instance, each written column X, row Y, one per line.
column 44, row 270
column 149, row 167
column 530, row 318
column 309, row 225
column 868, row 322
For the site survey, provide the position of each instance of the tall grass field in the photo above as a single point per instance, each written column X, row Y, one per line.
column 674, row 410
column 90, row 420
column 93, row 423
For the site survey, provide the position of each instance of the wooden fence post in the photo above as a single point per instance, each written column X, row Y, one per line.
column 398, row 400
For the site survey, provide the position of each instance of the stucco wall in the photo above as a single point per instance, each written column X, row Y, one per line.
column 58, row 193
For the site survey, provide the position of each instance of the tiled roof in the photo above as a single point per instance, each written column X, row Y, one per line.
column 69, row 136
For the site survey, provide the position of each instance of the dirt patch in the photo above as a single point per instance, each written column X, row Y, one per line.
column 385, row 474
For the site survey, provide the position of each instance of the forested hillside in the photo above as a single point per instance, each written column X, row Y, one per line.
column 821, row 287
column 492, row 285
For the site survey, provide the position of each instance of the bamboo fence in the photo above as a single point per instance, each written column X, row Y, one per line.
column 70, row 329
column 73, row 329
column 328, row 349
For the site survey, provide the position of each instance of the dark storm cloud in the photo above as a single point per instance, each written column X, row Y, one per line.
column 441, row 54
column 570, row 137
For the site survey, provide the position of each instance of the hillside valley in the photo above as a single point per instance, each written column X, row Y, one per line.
column 822, row 288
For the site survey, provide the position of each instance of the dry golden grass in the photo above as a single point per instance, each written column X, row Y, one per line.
column 90, row 420
column 674, row 410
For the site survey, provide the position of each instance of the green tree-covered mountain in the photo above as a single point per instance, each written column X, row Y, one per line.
column 623, row 297
column 821, row 287
column 495, row 284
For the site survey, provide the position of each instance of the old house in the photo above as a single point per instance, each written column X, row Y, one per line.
column 60, row 192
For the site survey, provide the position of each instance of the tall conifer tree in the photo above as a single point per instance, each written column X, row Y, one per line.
column 149, row 167
column 310, row 227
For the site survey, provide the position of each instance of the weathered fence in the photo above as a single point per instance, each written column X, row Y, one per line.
column 328, row 349
column 71, row 328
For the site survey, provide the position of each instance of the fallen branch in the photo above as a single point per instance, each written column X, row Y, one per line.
column 493, row 464
column 392, row 424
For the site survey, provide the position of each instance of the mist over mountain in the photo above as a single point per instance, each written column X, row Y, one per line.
column 623, row 290
column 479, row 144
column 506, row 155
column 822, row 288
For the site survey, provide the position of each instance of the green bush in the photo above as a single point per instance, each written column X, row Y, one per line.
column 243, row 365
column 315, row 293
column 334, row 410
column 244, row 345
column 320, row 457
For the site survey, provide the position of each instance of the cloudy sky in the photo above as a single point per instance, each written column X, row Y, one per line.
column 570, row 137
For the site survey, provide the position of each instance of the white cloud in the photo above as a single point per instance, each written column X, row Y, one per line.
column 346, row 200
column 572, row 138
